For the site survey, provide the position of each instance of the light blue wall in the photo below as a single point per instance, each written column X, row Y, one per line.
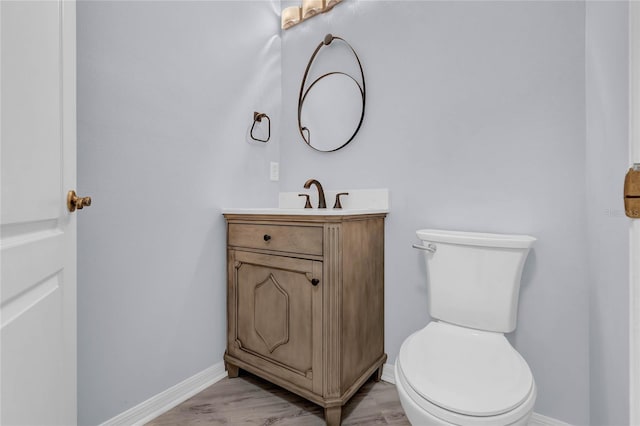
column 608, row 229
column 475, row 121
column 479, row 117
column 166, row 94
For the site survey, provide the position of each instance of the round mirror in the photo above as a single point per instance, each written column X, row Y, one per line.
column 331, row 107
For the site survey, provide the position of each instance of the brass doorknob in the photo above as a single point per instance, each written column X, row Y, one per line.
column 74, row 202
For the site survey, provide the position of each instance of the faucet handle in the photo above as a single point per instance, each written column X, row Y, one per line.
column 307, row 204
column 338, row 205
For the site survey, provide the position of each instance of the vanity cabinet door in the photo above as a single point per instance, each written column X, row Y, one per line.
column 275, row 306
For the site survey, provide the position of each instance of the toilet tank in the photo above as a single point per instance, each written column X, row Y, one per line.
column 474, row 278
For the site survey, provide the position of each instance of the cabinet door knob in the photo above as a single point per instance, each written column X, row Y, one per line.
column 267, row 237
column 315, row 281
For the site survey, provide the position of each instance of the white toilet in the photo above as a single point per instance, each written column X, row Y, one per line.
column 460, row 369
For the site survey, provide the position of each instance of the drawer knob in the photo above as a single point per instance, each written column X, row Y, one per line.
column 315, row 281
column 267, row 237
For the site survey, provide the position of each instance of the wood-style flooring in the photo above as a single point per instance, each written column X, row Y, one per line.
column 249, row 400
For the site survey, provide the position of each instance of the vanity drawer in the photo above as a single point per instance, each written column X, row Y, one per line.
column 288, row 238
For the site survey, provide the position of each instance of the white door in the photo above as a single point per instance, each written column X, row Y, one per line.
column 38, row 234
column 634, row 261
column 634, row 246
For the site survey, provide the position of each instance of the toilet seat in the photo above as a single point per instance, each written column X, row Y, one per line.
column 462, row 375
column 421, row 412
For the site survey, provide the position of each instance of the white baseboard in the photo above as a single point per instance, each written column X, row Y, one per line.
column 540, row 420
column 388, row 375
column 166, row 400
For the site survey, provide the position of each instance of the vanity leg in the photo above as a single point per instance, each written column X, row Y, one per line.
column 232, row 370
column 332, row 416
column 377, row 376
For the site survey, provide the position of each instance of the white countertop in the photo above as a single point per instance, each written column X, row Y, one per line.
column 303, row 212
column 357, row 202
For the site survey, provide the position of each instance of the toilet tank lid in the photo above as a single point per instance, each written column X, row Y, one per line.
column 476, row 238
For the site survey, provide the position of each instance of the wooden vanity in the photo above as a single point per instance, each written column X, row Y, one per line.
column 305, row 302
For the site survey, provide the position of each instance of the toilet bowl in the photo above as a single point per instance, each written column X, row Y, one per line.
column 460, row 369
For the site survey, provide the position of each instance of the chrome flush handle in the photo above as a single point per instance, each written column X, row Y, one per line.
column 429, row 247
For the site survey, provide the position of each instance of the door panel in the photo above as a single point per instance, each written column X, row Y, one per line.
column 31, row 113
column 276, row 312
column 37, row 235
column 31, row 367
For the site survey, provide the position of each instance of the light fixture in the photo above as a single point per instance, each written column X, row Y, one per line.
column 290, row 17
column 330, row 4
column 295, row 14
column 311, row 8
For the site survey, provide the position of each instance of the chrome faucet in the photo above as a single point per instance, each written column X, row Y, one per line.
column 322, row 204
